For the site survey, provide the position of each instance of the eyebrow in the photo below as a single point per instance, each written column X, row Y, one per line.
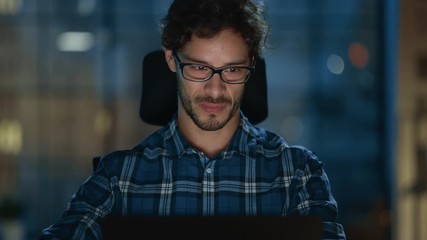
column 198, row 61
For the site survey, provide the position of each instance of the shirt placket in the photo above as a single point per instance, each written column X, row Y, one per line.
column 208, row 185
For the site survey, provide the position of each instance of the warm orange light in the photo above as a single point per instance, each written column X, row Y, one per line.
column 358, row 55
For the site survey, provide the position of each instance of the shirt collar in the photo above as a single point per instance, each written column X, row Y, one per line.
column 177, row 145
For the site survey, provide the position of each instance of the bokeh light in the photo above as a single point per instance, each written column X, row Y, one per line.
column 358, row 55
column 335, row 64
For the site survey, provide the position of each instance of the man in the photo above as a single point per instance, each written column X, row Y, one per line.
column 208, row 160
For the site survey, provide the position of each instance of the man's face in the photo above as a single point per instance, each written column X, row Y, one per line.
column 211, row 104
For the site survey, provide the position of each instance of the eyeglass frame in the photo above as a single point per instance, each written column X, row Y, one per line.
column 181, row 66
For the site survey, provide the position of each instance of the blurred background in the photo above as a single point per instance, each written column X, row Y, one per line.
column 347, row 79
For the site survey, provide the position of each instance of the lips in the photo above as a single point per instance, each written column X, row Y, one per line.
column 212, row 105
column 213, row 108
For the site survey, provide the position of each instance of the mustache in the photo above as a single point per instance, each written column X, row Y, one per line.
column 209, row 99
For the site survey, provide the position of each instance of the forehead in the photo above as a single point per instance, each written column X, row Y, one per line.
column 227, row 45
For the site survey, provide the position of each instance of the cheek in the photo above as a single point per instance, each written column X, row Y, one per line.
column 185, row 88
column 237, row 93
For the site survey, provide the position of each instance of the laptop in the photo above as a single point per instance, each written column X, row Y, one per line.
column 215, row 227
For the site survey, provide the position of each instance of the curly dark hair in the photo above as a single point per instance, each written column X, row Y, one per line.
column 206, row 18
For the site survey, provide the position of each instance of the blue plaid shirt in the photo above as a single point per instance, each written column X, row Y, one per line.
column 258, row 174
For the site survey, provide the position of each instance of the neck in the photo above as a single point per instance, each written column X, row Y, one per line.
column 210, row 143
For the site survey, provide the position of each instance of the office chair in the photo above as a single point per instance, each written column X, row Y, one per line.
column 159, row 99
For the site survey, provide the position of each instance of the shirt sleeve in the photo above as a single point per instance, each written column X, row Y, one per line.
column 88, row 206
column 310, row 193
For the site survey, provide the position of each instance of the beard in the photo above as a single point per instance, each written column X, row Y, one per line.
column 212, row 123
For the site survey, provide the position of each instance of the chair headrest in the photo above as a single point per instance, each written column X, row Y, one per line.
column 159, row 99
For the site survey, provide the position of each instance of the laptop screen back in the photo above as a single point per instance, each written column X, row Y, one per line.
column 218, row 228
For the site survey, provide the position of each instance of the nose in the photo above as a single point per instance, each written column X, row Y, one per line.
column 215, row 86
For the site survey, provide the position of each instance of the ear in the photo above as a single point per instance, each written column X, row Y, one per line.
column 170, row 60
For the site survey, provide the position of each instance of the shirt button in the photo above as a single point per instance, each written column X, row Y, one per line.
column 209, row 170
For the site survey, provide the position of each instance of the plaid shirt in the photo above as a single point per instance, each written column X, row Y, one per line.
column 258, row 174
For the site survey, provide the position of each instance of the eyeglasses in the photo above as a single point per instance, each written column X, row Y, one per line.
column 200, row 73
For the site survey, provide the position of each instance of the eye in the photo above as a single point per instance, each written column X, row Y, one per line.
column 233, row 70
column 200, row 68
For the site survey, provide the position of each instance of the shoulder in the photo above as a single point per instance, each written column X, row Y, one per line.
column 113, row 162
column 153, row 140
column 260, row 137
column 276, row 145
column 148, row 150
column 273, row 146
column 164, row 141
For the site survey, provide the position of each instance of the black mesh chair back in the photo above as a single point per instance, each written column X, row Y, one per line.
column 159, row 92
